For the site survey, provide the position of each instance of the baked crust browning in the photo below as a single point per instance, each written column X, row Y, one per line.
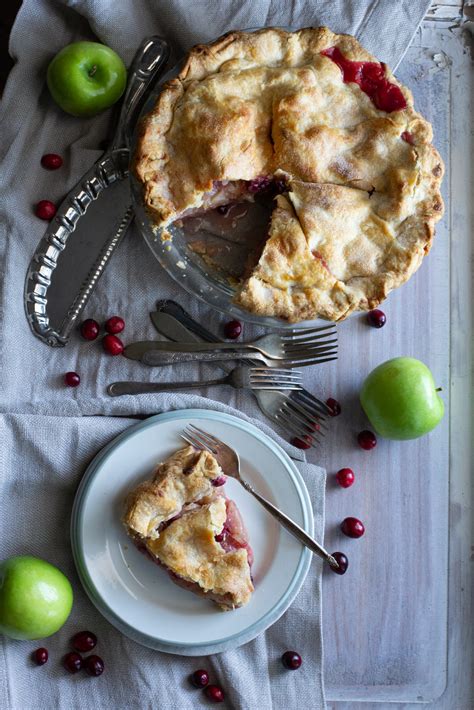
column 182, row 479
column 364, row 183
column 188, row 547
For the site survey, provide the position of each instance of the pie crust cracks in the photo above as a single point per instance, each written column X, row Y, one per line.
column 176, row 516
column 363, row 183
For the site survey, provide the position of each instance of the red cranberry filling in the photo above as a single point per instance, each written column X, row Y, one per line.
column 370, row 76
column 234, row 536
column 408, row 137
column 259, row 184
column 219, row 481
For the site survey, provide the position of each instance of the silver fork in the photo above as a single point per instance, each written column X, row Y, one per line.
column 229, row 461
column 163, row 356
column 308, row 344
column 254, row 378
column 174, row 322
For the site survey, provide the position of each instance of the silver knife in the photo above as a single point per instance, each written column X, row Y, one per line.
column 60, row 281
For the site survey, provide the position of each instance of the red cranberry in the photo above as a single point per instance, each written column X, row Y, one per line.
column 302, row 442
column 45, row 210
column 214, row 693
column 200, row 678
column 352, row 527
column 40, row 656
column 90, row 329
column 115, row 325
column 367, row 439
column 345, row 477
column 94, row 665
column 51, row 161
column 342, row 561
column 232, row 329
column 291, row 660
column 333, row 406
column 112, row 345
column 220, row 537
column 219, row 481
column 72, row 379
column 84, row 641
column 72, row 662
column 376, row 318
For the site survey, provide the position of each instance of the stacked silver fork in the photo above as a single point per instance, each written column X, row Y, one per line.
column 283, row 400
column 311, row 346
column 299, row 414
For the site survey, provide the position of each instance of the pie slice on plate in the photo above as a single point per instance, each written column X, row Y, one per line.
column 361, row 176
column 185, row 523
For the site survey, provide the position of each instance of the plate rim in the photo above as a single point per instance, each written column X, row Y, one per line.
column 203, row 647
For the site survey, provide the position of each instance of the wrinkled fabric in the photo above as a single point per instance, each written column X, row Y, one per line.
column 48, row 433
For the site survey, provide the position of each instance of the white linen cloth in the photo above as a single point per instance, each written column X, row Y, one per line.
column 46, row 441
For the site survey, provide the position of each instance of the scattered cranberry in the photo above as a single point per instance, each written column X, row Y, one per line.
column 333, row 406
column 72, row 662
column 112, row 345
column 291, row 660
column 232, row 329
column 376, row 318
column 345, row 477
column 115, row 325
column 45, row 210
column 40, row 656
column 367, row 440
column 352, row 527
column 90, row 329
column 84, row 641
column 94, row 665
column 219, row 481
column 72, row 379
column 51, row 161
column 302, row 442
column 342, row 561
column 214, row 693
column 200, row 678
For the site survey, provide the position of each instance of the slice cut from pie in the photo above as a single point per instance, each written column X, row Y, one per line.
column 193, row 531
column 363, row 174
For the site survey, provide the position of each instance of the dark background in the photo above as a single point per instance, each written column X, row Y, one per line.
column 8, row 11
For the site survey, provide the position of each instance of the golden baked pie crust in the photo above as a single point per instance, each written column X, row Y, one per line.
column 266, row 103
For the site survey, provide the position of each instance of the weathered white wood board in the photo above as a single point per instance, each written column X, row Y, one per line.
column 397, row 626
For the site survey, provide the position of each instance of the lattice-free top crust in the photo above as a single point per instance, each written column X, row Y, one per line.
column 363, row 182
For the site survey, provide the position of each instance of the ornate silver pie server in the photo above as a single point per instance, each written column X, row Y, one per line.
column 60, row 281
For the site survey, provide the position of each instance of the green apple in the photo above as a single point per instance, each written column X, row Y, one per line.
column 35, row 598
column 401, row 400
column 85, row 78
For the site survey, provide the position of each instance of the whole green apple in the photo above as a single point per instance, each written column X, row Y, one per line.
column 35, row 598
column 85, row 78
column 400, row 399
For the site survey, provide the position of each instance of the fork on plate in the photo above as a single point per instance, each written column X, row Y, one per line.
column 253, row 378
column 229, row 461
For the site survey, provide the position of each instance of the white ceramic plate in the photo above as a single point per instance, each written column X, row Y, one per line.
column 139, row 598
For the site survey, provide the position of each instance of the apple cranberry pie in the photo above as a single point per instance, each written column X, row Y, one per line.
column 184, row 521
column 314, row 115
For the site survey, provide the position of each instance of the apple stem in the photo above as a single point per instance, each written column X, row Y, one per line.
column 439, row 389
column 93, row 70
